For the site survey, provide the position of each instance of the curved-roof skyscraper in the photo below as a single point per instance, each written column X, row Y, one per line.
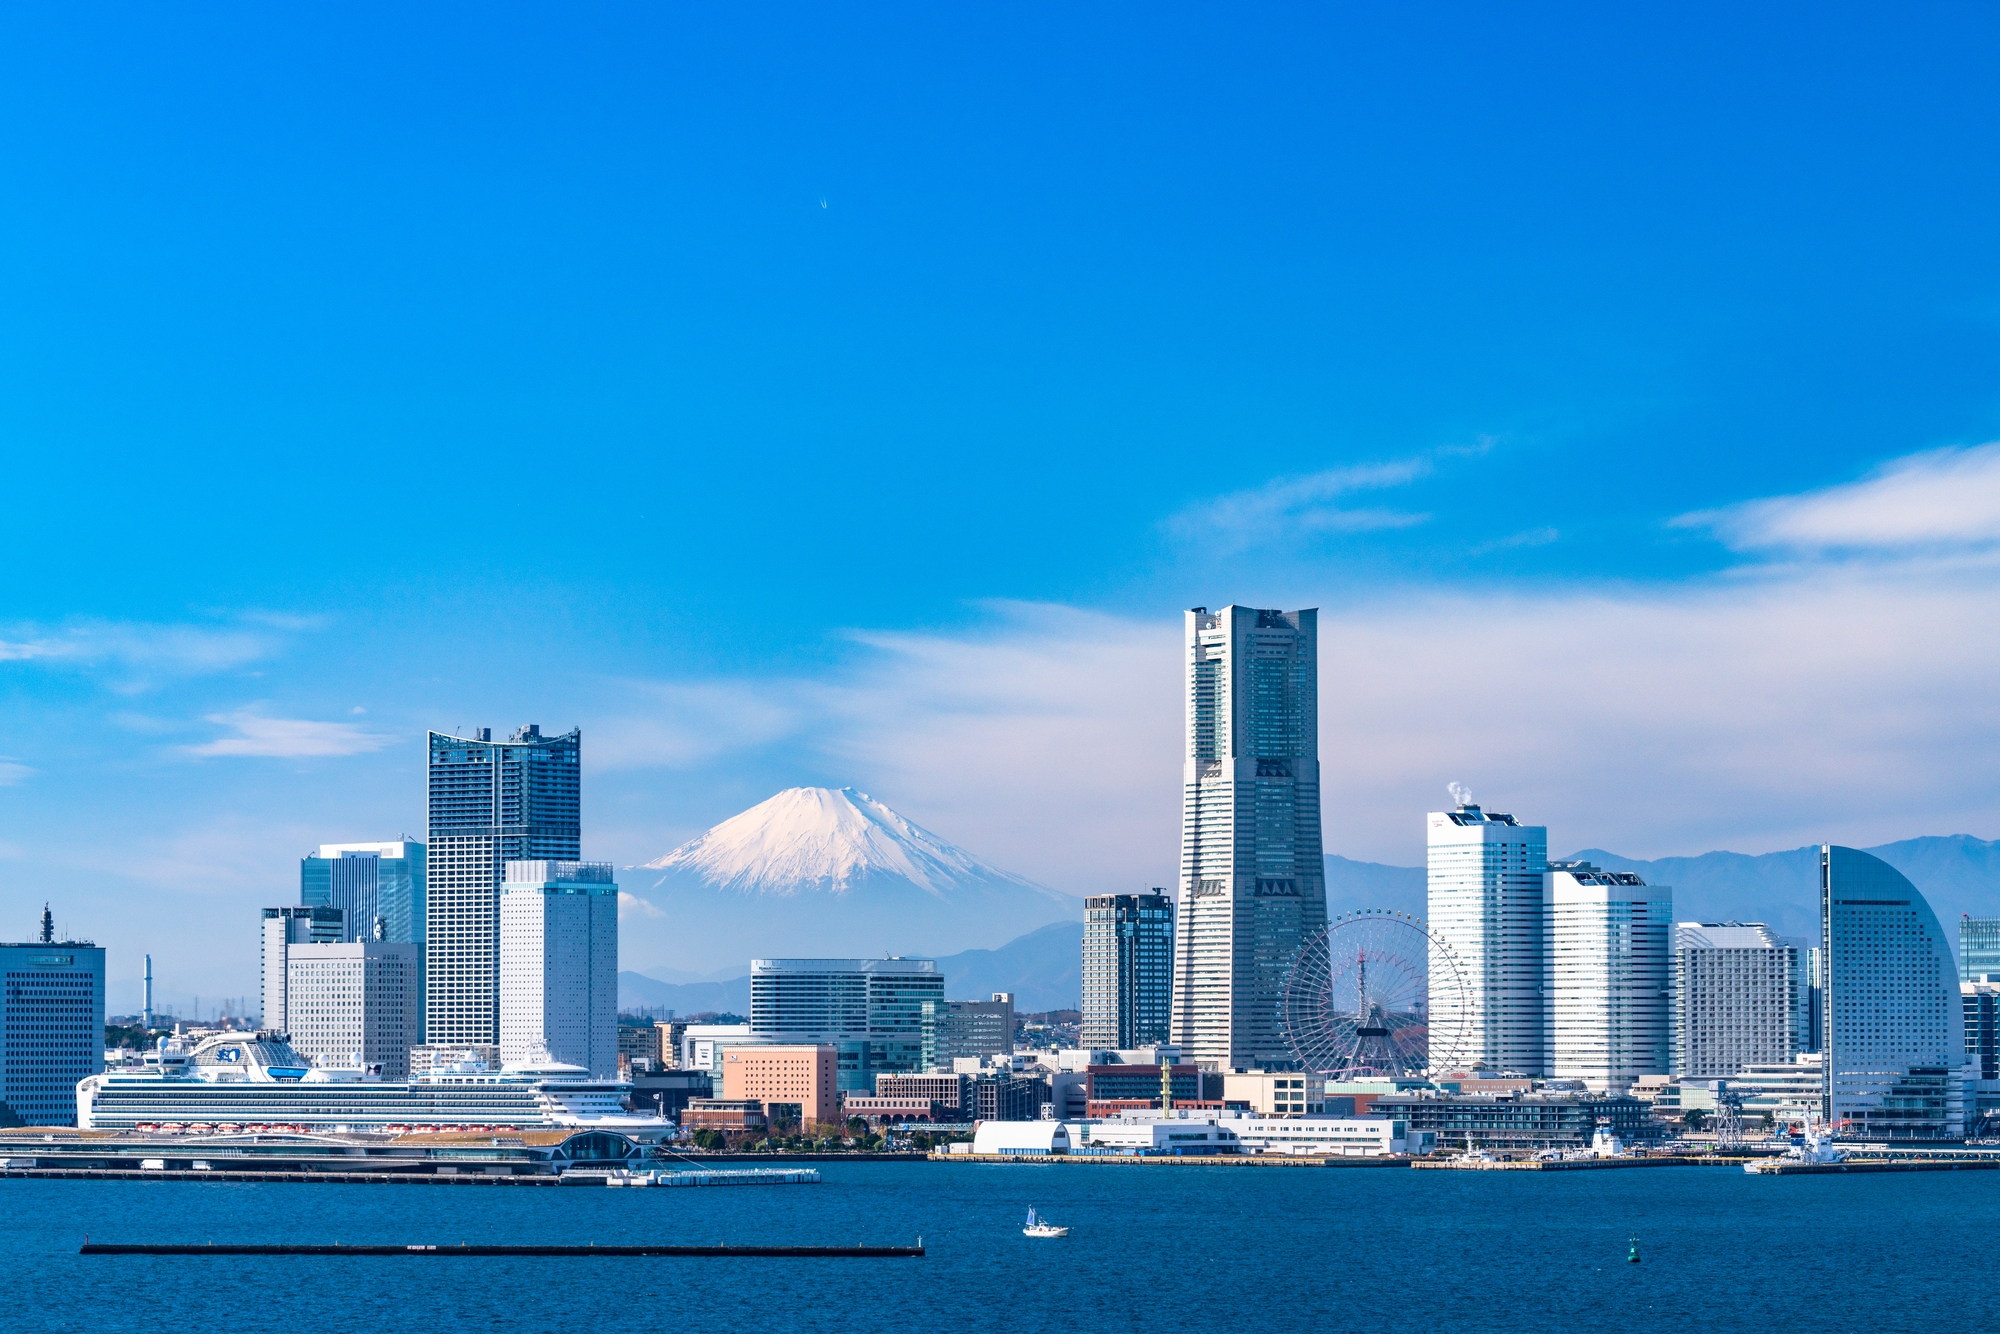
column 1895, row 1039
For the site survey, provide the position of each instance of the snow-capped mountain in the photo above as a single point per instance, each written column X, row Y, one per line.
column 819, row 872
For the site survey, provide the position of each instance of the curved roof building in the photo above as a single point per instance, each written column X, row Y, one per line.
column 1895, row 1040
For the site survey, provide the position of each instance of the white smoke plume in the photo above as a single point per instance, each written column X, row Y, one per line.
column 1460, row 793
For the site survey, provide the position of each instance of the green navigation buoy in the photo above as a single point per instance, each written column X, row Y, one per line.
column 1633, row 1258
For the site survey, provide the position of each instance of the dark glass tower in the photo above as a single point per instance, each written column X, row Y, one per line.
column 1128, row 969
column 491, row 802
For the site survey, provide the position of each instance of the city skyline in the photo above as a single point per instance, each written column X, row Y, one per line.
column 880, row 447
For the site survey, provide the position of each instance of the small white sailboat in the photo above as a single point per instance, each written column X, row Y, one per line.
column 1041, row 1227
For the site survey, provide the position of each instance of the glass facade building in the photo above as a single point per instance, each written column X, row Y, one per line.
column 51, row 1028
column 1894, row 1029
column 871, row 1010
column 1485, row 903
column 1978, row 948
column 1128, row 969
column 490, row 802
column 1609, row 993
column 380, row 887
column 1253, row 870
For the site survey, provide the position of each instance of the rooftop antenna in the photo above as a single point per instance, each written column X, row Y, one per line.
column 48, row 926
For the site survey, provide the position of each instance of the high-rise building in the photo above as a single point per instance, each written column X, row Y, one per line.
column 955, row 1029
column 1608, row 996
column 1253, row 873
column 1486, row 874
column 1741, row 998
column 1128, row 969
column 871, row 1010
column 491, row 802
column 1980, row 1002
column 284, row 928
column 354, row 1005
column 52, row 1017
column 1978, row 947
column 1895, row 1027
column 379, row 886
column 559, row 964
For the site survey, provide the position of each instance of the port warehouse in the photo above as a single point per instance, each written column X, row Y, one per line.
column 496, row 1153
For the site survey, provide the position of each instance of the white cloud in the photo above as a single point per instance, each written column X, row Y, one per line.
column 13, row 773
column 631, row 905
column 1940, row 500
column 179, row 649
column 1291, row 505
column 287, row 738
column 683, row 725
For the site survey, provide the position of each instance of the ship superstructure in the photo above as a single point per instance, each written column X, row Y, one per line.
column 252, row 1081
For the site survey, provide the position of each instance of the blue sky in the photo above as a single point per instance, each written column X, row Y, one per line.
column 799, row 396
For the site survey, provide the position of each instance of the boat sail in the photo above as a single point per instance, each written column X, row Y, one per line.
column 1040, row 1227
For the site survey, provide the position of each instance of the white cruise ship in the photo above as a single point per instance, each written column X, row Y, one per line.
column 255, row 1081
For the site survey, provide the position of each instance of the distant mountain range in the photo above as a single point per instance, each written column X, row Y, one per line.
column 820, row 872
column 1044, row 970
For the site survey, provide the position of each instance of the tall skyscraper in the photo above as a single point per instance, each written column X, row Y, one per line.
column 1253, row 872
column 284, row 928
column 1128, row 969
column 52, row 1017
column 1609, row 988
column 1486, row 904
column 354, row 1005
column 491, row 802
column 1742, row 997
column 379, row 886
column 559, row 964
column 953, row 1030
column 1895, row 1026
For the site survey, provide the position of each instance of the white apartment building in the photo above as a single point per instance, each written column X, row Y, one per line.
column 1253, row 877
column 1740, row 997
column 1610, row 981
column 1485, row 903
column 559, row 965
column 349, row 1006
column 284, row 928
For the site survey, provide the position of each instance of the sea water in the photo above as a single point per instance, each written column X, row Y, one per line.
column 1151, row 1247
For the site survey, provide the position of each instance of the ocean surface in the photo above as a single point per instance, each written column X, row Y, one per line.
column 1153, row 1248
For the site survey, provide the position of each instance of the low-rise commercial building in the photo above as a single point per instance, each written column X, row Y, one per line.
column 1332, row 1136
column 893, row 1111
column 1158, row 1136
column 1122, row 1082
column 1519, row 1121
column 794, row 1082
column 1275, row 1094
column 722, row 1114
column 1034, row 1138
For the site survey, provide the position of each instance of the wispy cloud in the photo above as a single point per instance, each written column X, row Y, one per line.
column 1531, row 537
column 1292, row 505
column 183, row 649
column 632, row 906
column 257, row 735
column 1943, row 500
column 681, row 725
column 13, row 773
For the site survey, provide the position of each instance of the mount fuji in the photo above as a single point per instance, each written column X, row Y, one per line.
column 817, row 872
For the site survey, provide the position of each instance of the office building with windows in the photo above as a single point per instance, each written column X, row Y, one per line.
column 956, row 1029
column 1486, row 874
column 1741, row 998
column 1978, row 947
column 1979, row 1001
column 490, row 802
column 1128, row 969
column 559, row 965
column 870, row 1010
column 1609, row 989
column 51, row 1026
column 1253, row 872
column 378, row 886
column 1895, row 1050
column 354, row 1006
column 284, row 928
